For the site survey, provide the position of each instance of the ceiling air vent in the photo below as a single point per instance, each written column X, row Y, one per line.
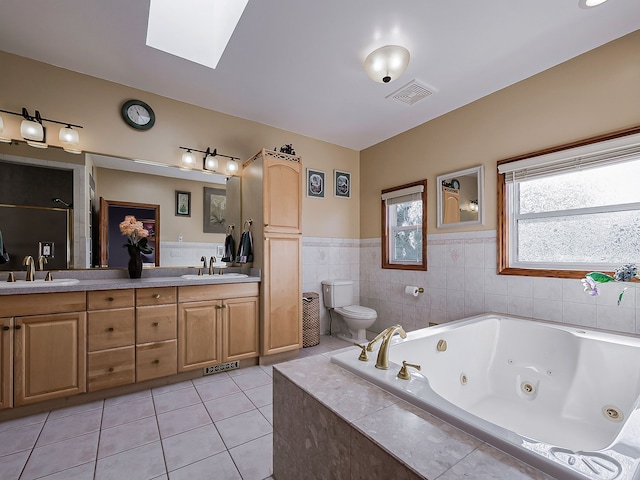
column 411, row 93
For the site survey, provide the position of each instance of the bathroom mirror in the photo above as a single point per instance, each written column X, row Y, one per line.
column 460, row 198
column 92, row 176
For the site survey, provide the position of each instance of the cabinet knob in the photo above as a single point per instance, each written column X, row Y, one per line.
column 156, row 361
column 110, row 299
column 156, row 296
column 154, row 324
column 5, row 328
column 18, row 327
column 110, row 369
column 110, row 329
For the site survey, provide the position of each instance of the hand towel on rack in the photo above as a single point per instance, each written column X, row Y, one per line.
column 245, row 249
column 229, row 248
column 4, row 256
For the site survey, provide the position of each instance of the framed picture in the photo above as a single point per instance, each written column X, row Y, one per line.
column 215, row 205
column 315, row 183
column 341, row 184
column 183, row 204
column 150, row 226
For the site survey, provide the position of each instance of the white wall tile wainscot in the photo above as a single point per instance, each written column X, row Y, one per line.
column 461, row 281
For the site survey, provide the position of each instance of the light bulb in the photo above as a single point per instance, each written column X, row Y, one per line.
column 232, row 166
column 69, row 136
column 210, row 163
column 3, row 139
column 31, row 130
column 188, row 159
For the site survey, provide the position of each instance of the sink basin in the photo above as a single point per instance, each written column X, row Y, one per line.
column 56, row 282
column 214, row 277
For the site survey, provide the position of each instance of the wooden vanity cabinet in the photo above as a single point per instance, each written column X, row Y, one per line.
column 6, row 362
column 216, row 323
column 272, row 197
column 42, row 347
column 156, row 343
column 110, row 338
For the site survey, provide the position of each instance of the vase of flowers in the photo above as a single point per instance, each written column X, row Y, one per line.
column 137, row 244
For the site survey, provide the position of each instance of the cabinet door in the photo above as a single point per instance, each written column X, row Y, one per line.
column 282, row 196
column 199, row 335
column 6, row 362
column 240, row 328
column 50, row 357
column 282, row 294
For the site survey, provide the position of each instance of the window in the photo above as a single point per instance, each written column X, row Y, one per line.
column 573, row 209
column 404, row 244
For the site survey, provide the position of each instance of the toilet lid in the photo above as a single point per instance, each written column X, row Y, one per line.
column 358, row 311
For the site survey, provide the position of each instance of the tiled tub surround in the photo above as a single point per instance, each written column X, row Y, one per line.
column 461, row 281
column 561, row 398
column 329, row 423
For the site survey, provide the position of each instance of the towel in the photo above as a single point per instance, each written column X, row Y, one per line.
column 245, row 250
column 4, row 256
column 229, row 249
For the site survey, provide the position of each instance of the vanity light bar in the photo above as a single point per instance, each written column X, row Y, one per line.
column 35, row 134
column 209, row 162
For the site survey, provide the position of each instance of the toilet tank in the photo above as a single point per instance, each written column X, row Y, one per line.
column 337, row 293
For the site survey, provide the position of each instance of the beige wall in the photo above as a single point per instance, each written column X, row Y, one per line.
column 95, row 104
column 594, row 93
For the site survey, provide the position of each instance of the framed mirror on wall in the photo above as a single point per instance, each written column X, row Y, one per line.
column 460, row 198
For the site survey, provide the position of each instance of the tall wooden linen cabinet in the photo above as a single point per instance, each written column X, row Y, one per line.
column 272, row 198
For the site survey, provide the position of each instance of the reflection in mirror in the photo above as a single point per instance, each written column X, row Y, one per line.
column 112, row 242
column 91, row 176
column 460, row 198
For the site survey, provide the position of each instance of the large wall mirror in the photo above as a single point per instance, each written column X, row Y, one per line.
column 63, row 190
column 460, row 198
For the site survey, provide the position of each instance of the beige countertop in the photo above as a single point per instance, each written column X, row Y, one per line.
column 428, row 446
column 114, row 279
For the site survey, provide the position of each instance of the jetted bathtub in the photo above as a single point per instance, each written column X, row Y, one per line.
column 561, row 398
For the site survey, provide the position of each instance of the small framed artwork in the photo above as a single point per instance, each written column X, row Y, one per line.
column 315, row 183
column 342, row 184
column 183, row 204
column 215, row 205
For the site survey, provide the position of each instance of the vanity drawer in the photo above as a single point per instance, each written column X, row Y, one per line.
column 155, row 296
column 110, row 368
column 201, row 293
column 155, row 360
column 111, row 328
column 103, row 299
column 42, row 304
column 155, row 324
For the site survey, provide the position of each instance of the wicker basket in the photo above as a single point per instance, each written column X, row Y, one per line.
column 310, row 319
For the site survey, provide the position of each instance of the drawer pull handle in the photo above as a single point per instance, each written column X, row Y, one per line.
column 110, row 299
column 154, row 324
column 156, row 361
column 18, row 327
column 110, row 329
column 5, row 328
column 157, row 295
column 110, row 369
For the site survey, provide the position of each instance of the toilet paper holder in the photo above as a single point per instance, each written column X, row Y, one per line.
column 413, row 290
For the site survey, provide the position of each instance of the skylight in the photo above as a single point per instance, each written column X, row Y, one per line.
column 196, row 30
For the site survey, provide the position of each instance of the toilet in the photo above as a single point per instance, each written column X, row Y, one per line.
column 338, row 295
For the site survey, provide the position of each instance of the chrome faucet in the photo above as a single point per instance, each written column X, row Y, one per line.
column 382, row 362
column 212, row 260
column 31, row 268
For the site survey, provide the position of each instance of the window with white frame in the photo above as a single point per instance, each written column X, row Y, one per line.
column 404, row 244
column 574, row 209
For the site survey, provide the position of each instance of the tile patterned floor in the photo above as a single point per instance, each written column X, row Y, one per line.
column 216, row 427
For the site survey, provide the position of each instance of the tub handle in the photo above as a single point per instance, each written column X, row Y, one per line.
column 404, row 373
column 363, row 354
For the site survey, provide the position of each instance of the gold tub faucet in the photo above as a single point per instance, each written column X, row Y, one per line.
column 382, row 361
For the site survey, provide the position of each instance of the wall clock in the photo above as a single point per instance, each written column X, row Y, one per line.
column 138, row 114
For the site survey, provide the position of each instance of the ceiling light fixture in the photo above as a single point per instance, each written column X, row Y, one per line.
column 209, row 161
column 35, row 134
column 386, row 63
